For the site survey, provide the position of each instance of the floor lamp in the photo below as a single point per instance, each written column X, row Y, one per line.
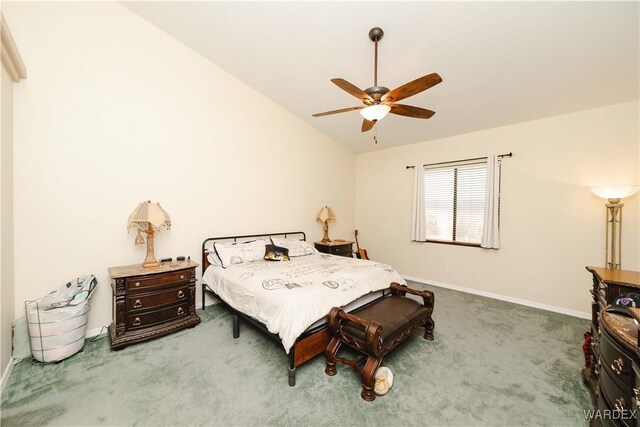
column 614, row 196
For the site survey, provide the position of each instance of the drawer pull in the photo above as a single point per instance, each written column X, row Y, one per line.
column 619, row 405
column 180, row 311
column 180, row 294
column 136, row 321
column 617, row 365
column 182, row 276
column 137, row 284
column 137, row 304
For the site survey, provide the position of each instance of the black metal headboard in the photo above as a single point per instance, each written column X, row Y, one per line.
column 235, row 239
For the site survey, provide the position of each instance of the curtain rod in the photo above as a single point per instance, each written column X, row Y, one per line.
column 463, row 160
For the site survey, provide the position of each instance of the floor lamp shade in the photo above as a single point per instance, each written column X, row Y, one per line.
column 614, row 196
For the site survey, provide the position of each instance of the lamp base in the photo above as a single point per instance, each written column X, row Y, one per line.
column 150, row 260
column 150, row 264
column 325, row 237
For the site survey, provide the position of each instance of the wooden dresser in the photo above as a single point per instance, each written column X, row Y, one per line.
column 608, row 338
column 336, row 247
column 607, row 285
column 619, row 380
column 151, row 302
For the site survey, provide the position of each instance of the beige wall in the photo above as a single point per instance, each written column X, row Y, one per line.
column 6, row 222
column 114, row 112
column 551, row 224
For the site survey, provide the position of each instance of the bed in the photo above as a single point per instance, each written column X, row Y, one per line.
column 289, row 300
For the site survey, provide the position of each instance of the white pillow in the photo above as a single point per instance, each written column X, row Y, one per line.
column 213, row 258
column 296, row 247
column 237, row 253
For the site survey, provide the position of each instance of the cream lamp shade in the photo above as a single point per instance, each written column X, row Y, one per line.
column 614, row 193
column 148, row 213
column 325, row 215
column 145, row 218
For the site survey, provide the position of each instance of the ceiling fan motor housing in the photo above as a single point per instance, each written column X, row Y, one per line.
column 376, row 92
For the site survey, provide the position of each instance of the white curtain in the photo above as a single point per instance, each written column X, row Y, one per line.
column 418, row 220
column 490, row 232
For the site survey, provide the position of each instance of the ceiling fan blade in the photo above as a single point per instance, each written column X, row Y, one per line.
column 344, row 110
column 409, row 111
column 353, row 90
column 412, row 88
column 367, row 125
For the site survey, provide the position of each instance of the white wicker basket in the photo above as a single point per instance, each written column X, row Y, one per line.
column 57, row 326
column 56, row 334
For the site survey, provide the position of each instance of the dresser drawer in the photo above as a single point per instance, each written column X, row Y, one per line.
column 140, row 302
column 605, row 405
column 145, row 283
column 150, row 318
column 615, row 359
column 635, row 391
column 618, row 397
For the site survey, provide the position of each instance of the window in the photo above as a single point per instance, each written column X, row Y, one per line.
column 454, row 198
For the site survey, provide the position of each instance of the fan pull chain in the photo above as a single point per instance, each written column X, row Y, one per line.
column 375, row 135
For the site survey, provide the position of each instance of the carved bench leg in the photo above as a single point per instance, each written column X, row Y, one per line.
column 330, row 354
column 368, row 378
column 236, row 325
column 428, row 329
column 430, row 325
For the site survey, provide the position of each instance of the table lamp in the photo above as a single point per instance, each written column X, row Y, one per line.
column 325, row 215
column 145, row 219
column 614, row 196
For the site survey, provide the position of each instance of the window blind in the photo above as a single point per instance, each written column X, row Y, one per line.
column 454, row 197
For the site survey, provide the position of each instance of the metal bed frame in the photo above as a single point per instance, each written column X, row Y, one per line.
column 308, row 345
column 237, row 314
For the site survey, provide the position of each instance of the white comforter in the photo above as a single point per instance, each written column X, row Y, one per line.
column 289, row 296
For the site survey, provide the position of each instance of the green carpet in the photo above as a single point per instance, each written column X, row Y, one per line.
column 492, row 363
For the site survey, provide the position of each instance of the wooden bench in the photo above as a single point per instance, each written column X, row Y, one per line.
column 376, row 329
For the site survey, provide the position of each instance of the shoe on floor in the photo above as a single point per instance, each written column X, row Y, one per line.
column 383, row 381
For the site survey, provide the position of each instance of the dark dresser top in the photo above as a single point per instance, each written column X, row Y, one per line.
column 624, row 328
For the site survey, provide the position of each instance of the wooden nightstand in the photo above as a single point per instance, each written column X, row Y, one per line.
column 151, row 302
column 336, row 247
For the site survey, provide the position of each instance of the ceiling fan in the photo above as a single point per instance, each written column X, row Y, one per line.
column 379, row 100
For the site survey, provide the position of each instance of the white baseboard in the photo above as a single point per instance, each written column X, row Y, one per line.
column 5, row 375
column 555, row 309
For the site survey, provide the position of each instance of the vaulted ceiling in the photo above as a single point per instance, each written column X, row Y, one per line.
column 501, row 62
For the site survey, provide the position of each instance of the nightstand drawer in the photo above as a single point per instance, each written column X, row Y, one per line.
column 145, row 283
column 150, row 318
column 336, row 247
column 140, row 302
column 340, row 250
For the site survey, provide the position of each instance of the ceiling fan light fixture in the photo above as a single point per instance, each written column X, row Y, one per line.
column 376, row 112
